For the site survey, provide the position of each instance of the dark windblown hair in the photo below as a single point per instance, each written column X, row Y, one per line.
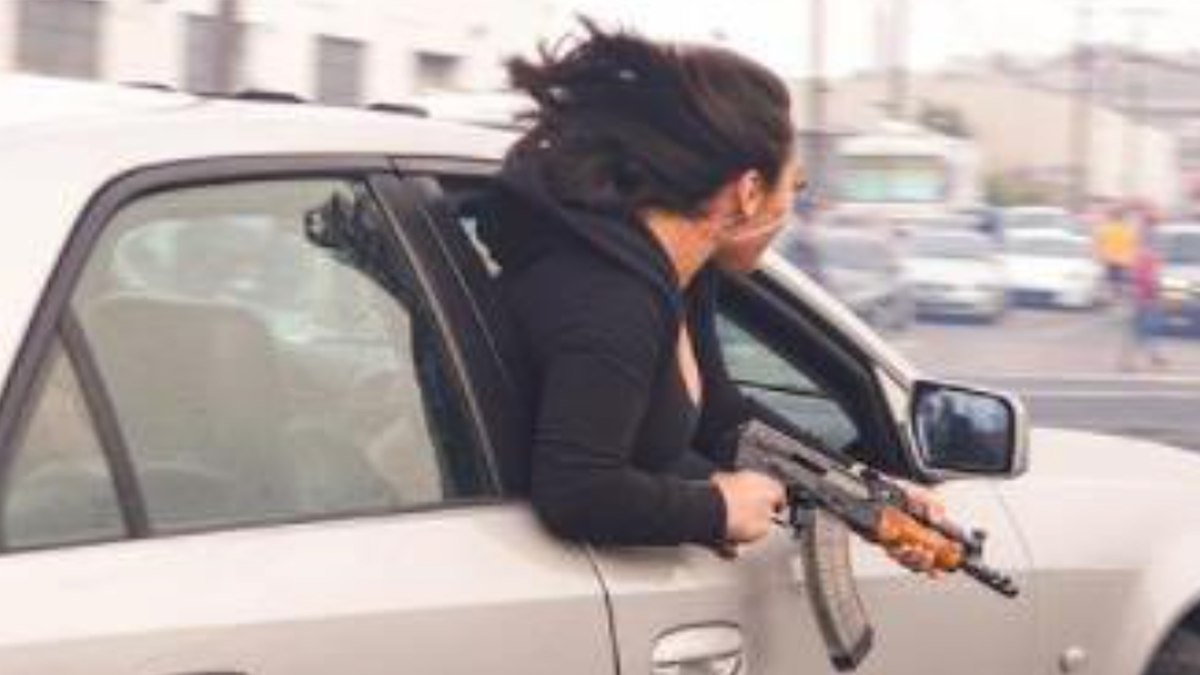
column 625, row 122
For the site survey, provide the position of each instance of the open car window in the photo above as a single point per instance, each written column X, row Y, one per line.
column 770, row 378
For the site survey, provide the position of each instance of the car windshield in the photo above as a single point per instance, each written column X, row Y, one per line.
column 1047, row 247
column 1182, row 248
column 947, row 246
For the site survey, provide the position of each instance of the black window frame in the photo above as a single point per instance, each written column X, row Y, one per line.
column 53, row 320
column 811, row 343
column 496, row 381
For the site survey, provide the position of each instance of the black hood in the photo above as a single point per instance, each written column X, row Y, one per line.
column 525, row 220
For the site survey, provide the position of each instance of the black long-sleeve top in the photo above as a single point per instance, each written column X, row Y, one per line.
column 619, row 450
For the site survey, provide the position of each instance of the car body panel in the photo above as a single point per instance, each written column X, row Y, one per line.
column 653, row 591
column 990, row 634
column 1022, row 219
column 1052, row 267
column 1085, row 566
column 425, row 591
column 1114, row 550
column 1068, row 282
column 973, row 287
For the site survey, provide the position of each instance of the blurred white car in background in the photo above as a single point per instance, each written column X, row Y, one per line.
column 955, row 272
column 861, row 266
column 1018, row 219
column 1053, row 267
column 864, row 270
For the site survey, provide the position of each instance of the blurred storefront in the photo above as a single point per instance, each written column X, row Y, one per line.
column 1023, row 133
column 346, row 52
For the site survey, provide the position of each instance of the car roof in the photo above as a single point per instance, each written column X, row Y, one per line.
column 142, row 125
column 498, row 109
column 61, row 141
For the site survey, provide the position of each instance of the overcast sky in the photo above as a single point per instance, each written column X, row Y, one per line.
column 775, row 30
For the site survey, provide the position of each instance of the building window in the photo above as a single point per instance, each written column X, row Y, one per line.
column 203, row 52
column 59, row 37
column 339, row 71
column 437, row 71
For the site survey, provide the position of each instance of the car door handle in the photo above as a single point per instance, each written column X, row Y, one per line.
column 705, row 649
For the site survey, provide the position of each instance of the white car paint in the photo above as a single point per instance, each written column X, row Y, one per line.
column 1102, row 533
column 1054, row 265
column 1114, row 543
column 1017, row 219
column 971, row 286
column 58, row 161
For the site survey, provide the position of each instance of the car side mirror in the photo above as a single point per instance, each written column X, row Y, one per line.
column 968, row 432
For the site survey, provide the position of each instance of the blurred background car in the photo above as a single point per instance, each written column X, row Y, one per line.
column 1018, row 219
column 797, row 244
column 864, row 270
column 1053, row 267
column 952, row 222
column 986, row 219
column 955, row 272
column 1180, row 246
column 858, row 263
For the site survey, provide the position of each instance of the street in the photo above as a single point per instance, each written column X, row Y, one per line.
column 1065, row 366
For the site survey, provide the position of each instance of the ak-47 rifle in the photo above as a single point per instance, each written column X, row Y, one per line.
column 829, row 494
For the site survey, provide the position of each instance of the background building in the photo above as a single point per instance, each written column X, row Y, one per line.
column 1023, row 132
column 335, row 51
column 1158, row 89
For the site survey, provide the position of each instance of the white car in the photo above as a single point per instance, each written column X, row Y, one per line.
column 258, row 418
column 1017, row 219
column 1053, row 267
column 955, row 272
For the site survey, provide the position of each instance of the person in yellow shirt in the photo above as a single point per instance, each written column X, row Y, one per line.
column 1117, row 248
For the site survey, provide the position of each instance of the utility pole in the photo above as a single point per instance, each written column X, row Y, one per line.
column 819, row 143
column 896, row 51
column 1080, row 120
column 1136, row 71
column 227, row 61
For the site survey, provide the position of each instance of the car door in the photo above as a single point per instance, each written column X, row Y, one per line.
column 952, row 625
column 244, row 437
column 675, row 610
column 686, row 608
column 682, row 610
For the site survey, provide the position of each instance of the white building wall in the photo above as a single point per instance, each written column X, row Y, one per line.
column 138, row 42
column 145, row 40
column 8, row 37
